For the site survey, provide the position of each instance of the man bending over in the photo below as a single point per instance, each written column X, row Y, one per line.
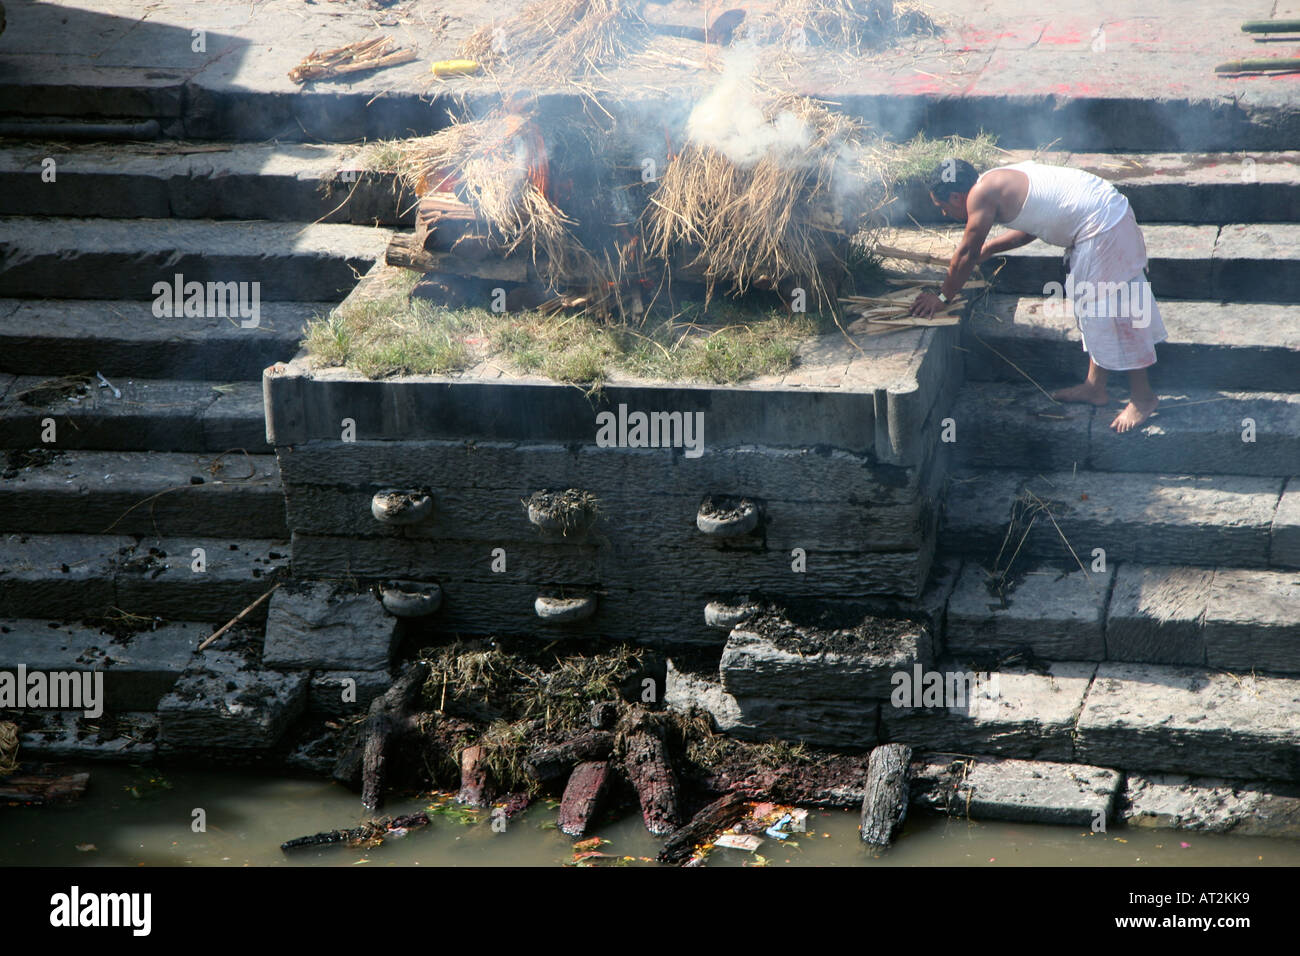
column 1107, row 286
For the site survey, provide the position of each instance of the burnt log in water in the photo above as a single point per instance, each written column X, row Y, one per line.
column 650, row 771
column 713, row 819
column 583, row 796
column 885, row 804
column 391, row 718
column 553, row 762
column 375, row 829
column 42, row 785
column 475, row 781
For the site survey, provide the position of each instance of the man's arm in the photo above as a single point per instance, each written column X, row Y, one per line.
column 981, row 214
column 1012, row 239
column 979, row 221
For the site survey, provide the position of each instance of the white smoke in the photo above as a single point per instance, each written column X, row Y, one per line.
column 730, row 120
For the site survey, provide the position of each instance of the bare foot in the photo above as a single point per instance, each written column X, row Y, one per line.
column 1086, row 392
column 1134, row 414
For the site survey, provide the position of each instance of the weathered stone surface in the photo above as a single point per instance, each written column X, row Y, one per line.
column 321, row 627
column 1256, row 261
column 763, row 471
column 1157, row 615
column 1189, row 720
column 241, row 181
column 1025, row 791
column 64, row 337
column 1016, row 714
column 851, row 725
column 1056, row 615
column 59, row 575
column 1154, row 519
column 1206, row 803
column 325, row 695
column 1286, row 528
column 1202, row 433
column 122, row 259
column 1006, row 425
column 839, row 724
column 1252, row 621
column 686, row 687
column 150, row 415
column 138, row 669
column 1213, row 344
column 770, row 656
column 223, row 703
column 619, row 565
column 68, row 735
column 158, row 578
column 630, row 514
column 89, row 492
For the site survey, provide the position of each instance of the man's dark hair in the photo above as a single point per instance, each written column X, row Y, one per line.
column 953, row 175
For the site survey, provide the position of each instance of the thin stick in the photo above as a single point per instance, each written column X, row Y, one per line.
column 236, row 619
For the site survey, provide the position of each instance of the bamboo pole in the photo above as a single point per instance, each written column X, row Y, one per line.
column 1270, row 64
column 1271, row 26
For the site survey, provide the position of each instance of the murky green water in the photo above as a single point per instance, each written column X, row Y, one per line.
column 248, row 817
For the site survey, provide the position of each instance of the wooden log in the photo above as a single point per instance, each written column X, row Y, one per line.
column 551, row 763
column 391, row 714
column 885, row 804
column 408, row 252
column 374, row 830
column 583, row 795
column 42, row 785
column 651, row 773
column 717, row 816
column 474, row 783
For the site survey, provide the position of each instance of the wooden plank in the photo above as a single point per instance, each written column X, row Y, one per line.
column 884, row 806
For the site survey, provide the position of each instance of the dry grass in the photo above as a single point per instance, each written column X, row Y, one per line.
column 497, row 164
column 785, row 216
column 561, row 39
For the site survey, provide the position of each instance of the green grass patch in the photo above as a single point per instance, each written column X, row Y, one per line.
column 388, row 333
column 914, row 160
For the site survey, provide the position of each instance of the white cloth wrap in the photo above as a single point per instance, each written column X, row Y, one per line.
column 1107, row 257
column 1117, row 314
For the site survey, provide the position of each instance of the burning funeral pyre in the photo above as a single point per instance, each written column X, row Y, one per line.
column 569, row 203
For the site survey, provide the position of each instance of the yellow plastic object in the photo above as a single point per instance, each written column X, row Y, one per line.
column 455, row 67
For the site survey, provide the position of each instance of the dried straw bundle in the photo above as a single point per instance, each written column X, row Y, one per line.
column 561, row 39
column 498, row 165
column 786, row 215
column 846, row 25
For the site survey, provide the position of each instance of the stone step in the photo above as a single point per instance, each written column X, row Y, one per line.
column 1230, row 618
column 1169, row 187
column 1193, row 721
column 72, row 336
column 1210, row 345
column 139, row 668
column 73, row 577
column 149, row 415
column 1126, row 716
column 148, row 493
column 1242, row 262
column 1060, row 517
column 175, row 180
column 1193, row 432
column 125, row 258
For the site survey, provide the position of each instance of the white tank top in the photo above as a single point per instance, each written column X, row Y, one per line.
column 1065, row 206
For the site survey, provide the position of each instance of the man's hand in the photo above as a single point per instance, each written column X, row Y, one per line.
column 926, row 305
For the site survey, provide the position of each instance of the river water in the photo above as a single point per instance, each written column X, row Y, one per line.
column 132, row 817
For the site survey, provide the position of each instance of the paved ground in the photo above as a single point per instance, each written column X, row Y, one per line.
column 1084, row 51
